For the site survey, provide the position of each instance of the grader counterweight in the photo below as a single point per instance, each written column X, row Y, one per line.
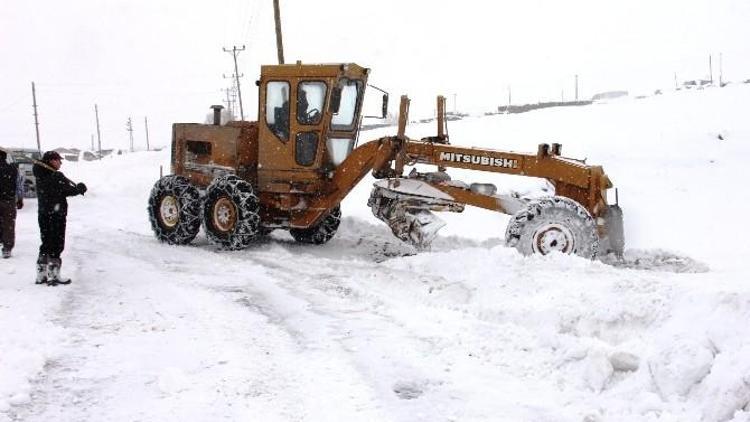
column 292, row 168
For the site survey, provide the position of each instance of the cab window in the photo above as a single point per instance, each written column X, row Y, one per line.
column 277, row 108
column 306, row 148
column 345, row 118
column 339, row 149
column 311, row 96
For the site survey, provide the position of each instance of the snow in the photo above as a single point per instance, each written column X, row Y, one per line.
column 362, row 328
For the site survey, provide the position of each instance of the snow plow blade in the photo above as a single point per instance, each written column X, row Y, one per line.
column 408, row 214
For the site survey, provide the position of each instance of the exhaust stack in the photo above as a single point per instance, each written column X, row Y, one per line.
column 217, row 114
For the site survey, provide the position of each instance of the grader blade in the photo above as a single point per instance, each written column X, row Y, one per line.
column 408, row 215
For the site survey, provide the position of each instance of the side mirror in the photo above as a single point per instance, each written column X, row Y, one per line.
column 335, row 99
column 384, row 107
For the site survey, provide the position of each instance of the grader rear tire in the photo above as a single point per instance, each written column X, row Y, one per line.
column 320, row 233
column 230, row 213
column 555, row 224
column 174, row 210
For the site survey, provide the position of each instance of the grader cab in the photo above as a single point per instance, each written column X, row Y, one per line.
column 291, row 169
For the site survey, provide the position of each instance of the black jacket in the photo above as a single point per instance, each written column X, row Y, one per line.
column 8, row 181
column 52, row 187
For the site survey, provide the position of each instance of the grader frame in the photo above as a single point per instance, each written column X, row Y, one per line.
column 292, row 168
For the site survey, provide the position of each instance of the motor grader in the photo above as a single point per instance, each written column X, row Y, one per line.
column 292, row 167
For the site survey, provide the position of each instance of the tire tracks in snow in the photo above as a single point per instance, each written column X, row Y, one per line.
column 242, row 367
column 343, row 328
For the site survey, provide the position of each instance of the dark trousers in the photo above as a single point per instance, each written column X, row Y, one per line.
column 8, row 223
column 52, row 229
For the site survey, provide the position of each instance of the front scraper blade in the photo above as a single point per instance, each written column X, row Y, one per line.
column 423, row 228
column 407, row 215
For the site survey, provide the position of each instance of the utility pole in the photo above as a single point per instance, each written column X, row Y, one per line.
column 129, row 128
column 36, row 117
column 98, row 131
column 721, row 71
column 676, row 87
column 234, row 103
column 509, row 97
column 237, row 76
column 92, row 142
column 279, row 41
column 455, row 103
column 231, row 99
column 576, row 88
column 228, row 101
column 148, row 145
column 710, row 70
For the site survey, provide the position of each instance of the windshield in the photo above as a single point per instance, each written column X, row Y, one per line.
column 350, row 93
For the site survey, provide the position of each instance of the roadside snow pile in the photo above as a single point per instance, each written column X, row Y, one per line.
column 629, row 345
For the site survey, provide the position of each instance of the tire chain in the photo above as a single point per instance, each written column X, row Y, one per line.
column 320, row 233
column 189, row 200
column 584, row 222
column 241, row 193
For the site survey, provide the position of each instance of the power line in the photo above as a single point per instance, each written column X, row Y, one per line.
column 13, row 103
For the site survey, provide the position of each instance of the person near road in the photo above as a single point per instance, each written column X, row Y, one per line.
column 11, row 199
column 53, row 188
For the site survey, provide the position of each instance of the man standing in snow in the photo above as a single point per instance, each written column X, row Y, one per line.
column 11, row 198
column 52, row 190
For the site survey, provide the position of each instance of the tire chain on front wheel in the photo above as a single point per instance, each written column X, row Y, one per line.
column 242, row 195
column 320, row 233
column 189, row 220
column 587, row 244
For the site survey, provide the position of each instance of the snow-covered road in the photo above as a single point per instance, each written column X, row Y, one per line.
column 363, row 329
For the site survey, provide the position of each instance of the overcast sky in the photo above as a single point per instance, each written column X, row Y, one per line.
column 163, row 58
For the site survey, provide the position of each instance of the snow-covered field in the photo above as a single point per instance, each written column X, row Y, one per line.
column 360, row 329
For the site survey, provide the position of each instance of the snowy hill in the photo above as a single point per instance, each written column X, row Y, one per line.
column 361, row 329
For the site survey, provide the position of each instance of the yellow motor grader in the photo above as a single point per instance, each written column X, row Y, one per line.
column 292, row 168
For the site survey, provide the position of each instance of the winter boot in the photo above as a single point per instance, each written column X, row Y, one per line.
column 54, row 273
column 6, row 254
column 41, row 270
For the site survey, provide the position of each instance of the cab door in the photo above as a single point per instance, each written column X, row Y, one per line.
column 308, row 125
column 291, row 132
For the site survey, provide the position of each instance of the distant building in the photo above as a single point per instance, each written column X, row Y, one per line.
column 610, row 95
column 69, row 154
column 696, row 83
column 75, row 154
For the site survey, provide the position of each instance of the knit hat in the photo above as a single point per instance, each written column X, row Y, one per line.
column 51, row 155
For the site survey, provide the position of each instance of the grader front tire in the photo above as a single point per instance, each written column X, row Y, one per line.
column 555, row 224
